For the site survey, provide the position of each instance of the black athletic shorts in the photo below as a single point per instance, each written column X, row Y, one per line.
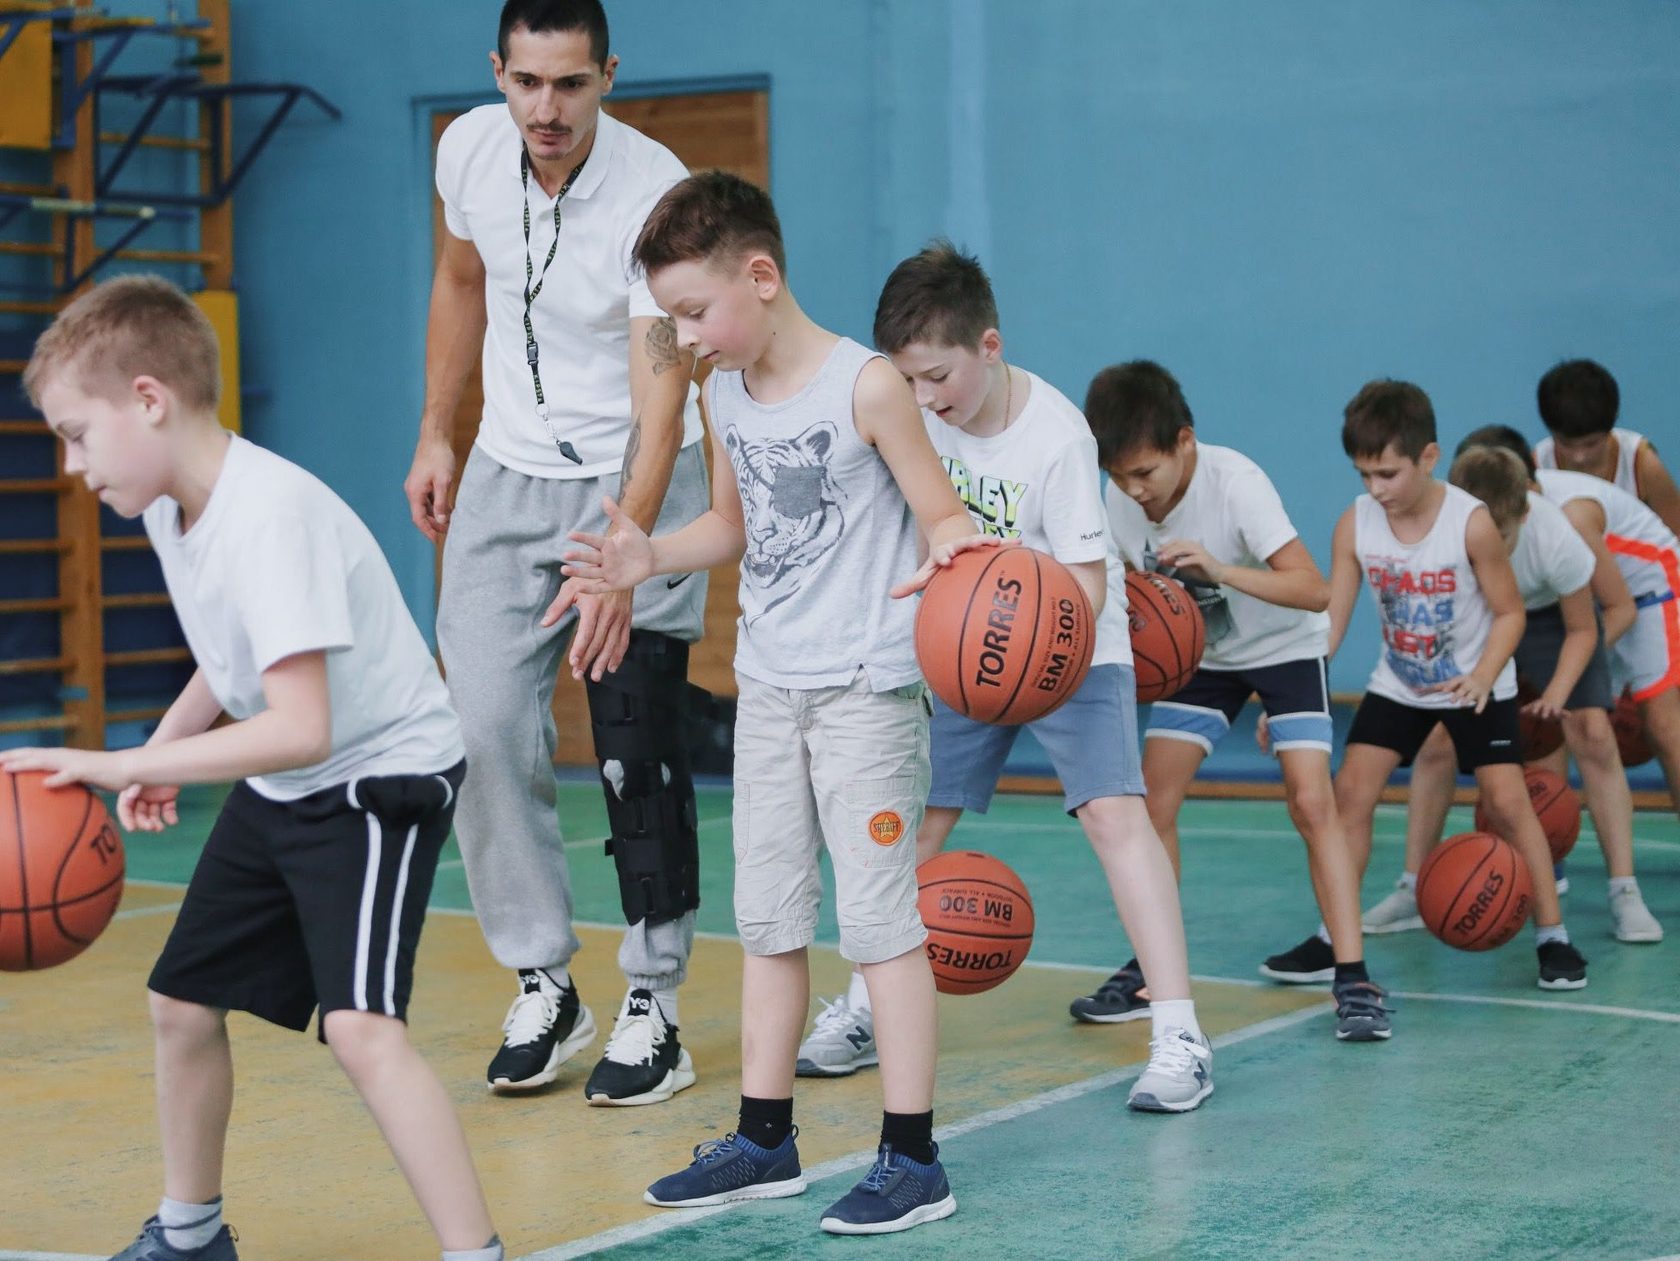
column 311, row 903
column 1537, row 658
column 1485, row 739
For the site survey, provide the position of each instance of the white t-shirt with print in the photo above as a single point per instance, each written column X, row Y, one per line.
column 1551, row 559
column 278, row 565
column 589, row 295
column 1232, row 509
column 1038, row 481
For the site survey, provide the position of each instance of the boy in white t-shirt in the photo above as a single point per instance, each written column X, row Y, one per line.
column 1561, row 655
column 312, row 886
column 1451, row 617
column 1021, row 458
column 1208, row 516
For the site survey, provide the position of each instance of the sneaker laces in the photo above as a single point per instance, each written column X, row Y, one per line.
column 633, row 1038
column 880, row 1173
column 532, row 1015
column 834, row 1017
column 714, row 1149
column 1174, row 1051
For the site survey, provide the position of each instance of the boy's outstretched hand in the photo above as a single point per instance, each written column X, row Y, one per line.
column 65, row 767
column 618, row 560
column 148, row 808
column 941, row 557
column 1466, row 689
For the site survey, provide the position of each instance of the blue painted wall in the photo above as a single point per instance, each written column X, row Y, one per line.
column 1278, row 200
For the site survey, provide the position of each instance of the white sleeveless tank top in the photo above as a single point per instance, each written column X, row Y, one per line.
column 1627, row 450
column 1645, row 549
column 828, row 534
column 1434, row 620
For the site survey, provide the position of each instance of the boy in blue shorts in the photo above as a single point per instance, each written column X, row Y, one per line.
column 1019, row 454
column 311, row 889
column 823, row 474
column 1210, row 517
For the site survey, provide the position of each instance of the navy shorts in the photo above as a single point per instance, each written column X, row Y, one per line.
column 311, row 903
column 1537, row 658
column 1485, row 739
column 1092, row 741
column 1294, row 694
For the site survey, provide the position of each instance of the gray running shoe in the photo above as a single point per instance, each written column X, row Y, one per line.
column 151, row 1246
column 1397, row 913
column 1179, row 1075
column 841, row 1041
column 1632, row 921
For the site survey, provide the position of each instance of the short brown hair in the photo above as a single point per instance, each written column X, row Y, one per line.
column 1388, row 413
column 1135, row 407
column 712, row 215
column 940, row 296
column 128, row 327
column 1497, row 477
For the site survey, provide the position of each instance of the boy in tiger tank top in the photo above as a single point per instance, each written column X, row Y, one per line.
column 1451, row 618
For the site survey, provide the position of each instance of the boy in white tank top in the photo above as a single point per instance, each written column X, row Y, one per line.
column 822, row 474
column 1559, row 574
column 1451, row 618
column 1024, row 462
column 1579, row 401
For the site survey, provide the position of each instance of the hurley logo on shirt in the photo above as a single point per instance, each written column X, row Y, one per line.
column 993, row 502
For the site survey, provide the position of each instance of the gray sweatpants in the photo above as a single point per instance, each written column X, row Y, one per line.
column 501, row 568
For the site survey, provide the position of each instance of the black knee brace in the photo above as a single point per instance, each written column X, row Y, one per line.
column 637, row 715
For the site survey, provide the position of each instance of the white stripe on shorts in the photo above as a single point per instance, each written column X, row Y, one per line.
column 396, row 922
column 364, row 919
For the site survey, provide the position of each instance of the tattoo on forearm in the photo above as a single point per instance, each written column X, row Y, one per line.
column 632, row 448
column 662, row 345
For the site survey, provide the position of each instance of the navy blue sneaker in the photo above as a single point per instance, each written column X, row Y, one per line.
column 732, row 1168
column 896, row 1194
column 1360, row 1014
column 151, row 1246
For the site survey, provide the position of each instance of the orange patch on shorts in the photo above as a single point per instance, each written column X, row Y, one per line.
column 886, row 827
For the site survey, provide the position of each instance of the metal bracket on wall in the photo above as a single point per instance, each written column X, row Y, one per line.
column 143, row 217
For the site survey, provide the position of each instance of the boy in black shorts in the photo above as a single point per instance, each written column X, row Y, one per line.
column 311, row 889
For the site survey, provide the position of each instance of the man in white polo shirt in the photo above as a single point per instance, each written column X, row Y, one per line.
column 585, row 394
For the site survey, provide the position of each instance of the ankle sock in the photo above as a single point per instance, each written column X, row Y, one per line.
column 909, row 1134
column 1173, row 1013
column 1323, row 933
column 491, row 1251
column 1408, row 880
column 560, row 977
column 189, row 1226
column 1550, row 932
column 1347, row 973
column 1623, row 884
column 857, row 993
column 767, row 1122
column 667, row 1001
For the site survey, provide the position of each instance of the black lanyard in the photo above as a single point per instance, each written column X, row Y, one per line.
column 531, row 356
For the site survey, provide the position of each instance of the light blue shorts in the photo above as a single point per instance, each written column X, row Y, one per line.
column 1092, row 741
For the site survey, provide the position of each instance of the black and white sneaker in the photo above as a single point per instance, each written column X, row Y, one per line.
column 644, row 1062
column 1562, row 967
column 1311, row 961
column 1122, row 997
column 544, row 1028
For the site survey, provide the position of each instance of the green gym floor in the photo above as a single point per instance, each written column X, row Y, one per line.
column 1500, row 1121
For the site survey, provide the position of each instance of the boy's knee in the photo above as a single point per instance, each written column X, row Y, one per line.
column 1589, row 733
column 360, row 1040
column 1312, row 808
column 180, row 1021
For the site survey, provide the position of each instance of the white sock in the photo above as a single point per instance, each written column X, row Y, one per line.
column 189, row 1226
column 1323, row 933
column 1550, row 932
column 857, row 993
column 1623, row 884
column 560, row 977
column 491, row 1251
column 667, row 1001
column 1173, row 1013
column 1408, row 880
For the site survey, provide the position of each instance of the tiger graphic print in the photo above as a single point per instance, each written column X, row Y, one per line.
column 791, row 504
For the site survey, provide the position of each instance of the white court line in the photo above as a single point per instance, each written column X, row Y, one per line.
column 167, row 908
column 1539, row 1004
column 863, row 1159
column 48, row 1256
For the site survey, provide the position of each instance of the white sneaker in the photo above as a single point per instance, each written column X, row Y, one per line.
column 842, row 1041
column 1397, row 913
column 1631, row 920
column 1179, row 1075
column 1562, row 885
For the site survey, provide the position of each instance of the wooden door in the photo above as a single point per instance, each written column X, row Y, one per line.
column 726, row 130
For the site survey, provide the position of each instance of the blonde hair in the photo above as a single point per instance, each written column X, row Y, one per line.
column 128, row 327
column 1498, row 478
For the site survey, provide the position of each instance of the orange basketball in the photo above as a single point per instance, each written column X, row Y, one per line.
column 1167, row 634
column 979, row 920
column 1474, row 891
column 1630, row 732
column 1556, row 805
column 1004, row 634
column 1539, row 736
column 61, row 871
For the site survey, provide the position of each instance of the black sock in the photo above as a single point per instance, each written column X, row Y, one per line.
column 909, row 1134
column 1349, row 972
column 766, row 1122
